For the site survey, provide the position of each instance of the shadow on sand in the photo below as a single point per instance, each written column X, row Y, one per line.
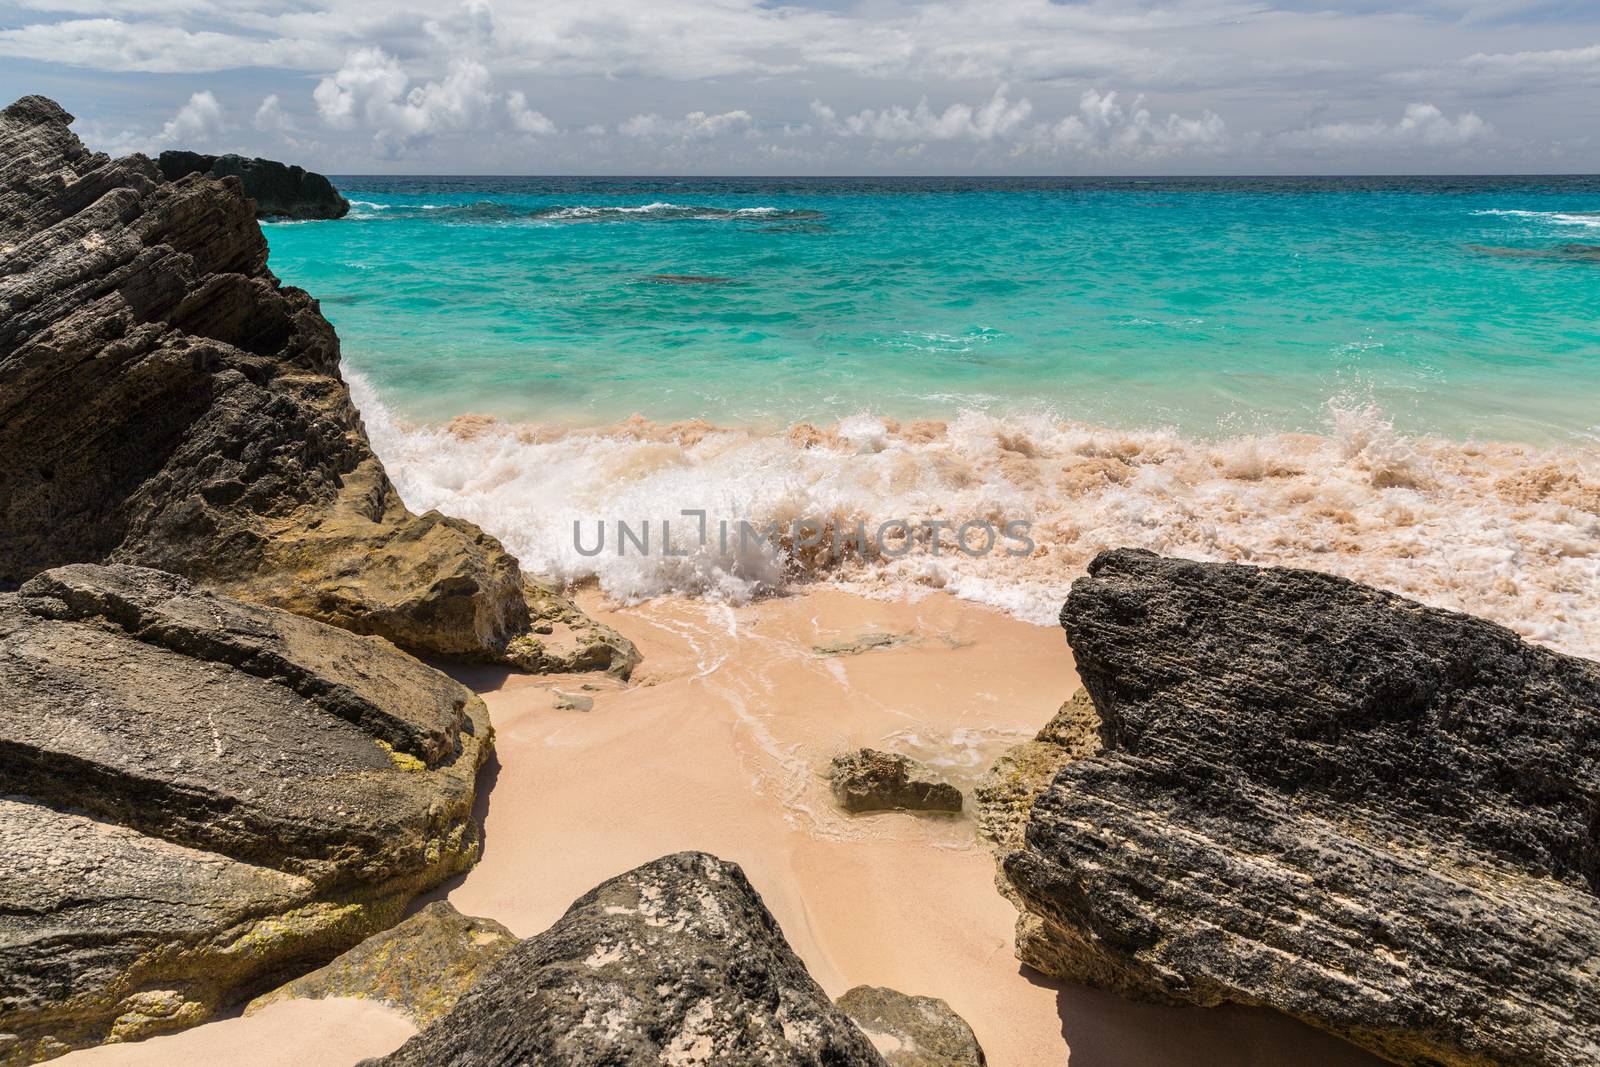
column 1105, row 1030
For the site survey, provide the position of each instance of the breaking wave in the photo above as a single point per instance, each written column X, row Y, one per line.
column 490, row 211
column 1590, row 219
column 1508, row 532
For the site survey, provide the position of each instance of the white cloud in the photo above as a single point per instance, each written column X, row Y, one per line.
column 525, row 118
column 1103, row 126
column 196, row 122
column 397, row 75
column 116, row 45
column 1421, row 125
column 371, row 91
column 694, row 124
column 1551, row 61
column 997, row 118
column 271, row 118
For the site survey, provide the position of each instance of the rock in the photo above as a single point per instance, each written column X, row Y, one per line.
column 1570, row 252
column 164, row 401
column 1375, row 816
column 199, row 795
column 869, row 780
column 420, row 967
column 912, row 1031
column 280, row 190
column 1004, row 798
column 563, row 640
column 868, row 642
column 675, row 962
column 571, row 701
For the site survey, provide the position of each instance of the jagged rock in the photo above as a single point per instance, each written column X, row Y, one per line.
column 280, row 190
column 199, row 795
column 867, row 780
column 912, row 1031
column 1005, row 796
column 1375, row 816
column 420, row 967
column 165, row 401
column 674, row 962
column 563, row 640
column 1003, row 799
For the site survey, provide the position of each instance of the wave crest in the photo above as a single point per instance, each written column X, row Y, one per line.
column 491, row 211
column 1508, row 532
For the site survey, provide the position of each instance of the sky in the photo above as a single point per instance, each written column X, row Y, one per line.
column 829, row 87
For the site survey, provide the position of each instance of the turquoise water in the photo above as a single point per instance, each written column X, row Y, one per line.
column 1464, row 307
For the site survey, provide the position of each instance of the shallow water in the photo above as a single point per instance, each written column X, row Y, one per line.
column 1397, row 380
column 1206, row 305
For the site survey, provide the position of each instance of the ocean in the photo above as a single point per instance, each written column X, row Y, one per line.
column 1396, row 379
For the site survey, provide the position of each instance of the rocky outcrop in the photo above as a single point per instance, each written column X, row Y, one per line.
column 912, row 1031
column 199, row 795
column 867, row 780
column 420, row 967
column 675, row 962
column 1379, row 817
column 165, row 401
column 1003, row 799
column 279, row 190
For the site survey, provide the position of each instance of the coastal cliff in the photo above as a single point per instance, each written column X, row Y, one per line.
column 199, row 796
column 165, row 401
column 1381, row 818
column 279, row 190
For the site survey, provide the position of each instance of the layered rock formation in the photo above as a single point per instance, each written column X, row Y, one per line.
column 1381, row 818
column 420, row 967
column 198, row 796
column 165, row 401
column 675, row 962
column 867, row 780
column 279, row 190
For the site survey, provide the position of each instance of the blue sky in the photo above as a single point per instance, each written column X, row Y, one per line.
column 878, row 87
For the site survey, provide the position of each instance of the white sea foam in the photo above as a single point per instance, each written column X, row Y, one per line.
column 1561, row 218
column 1509, row 532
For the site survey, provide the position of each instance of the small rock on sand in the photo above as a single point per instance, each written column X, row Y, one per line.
column 869, row 780
column 912, row 1031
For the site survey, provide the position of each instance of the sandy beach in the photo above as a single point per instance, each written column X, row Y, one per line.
column 719, row 743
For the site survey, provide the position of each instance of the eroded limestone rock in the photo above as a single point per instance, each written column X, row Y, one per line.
column 868, row 780
column 419, row 967
column 165, row 401
column 674, row 962
column 1378, row 817
column 912, row 1031
column 279, row 190
column 199, row 794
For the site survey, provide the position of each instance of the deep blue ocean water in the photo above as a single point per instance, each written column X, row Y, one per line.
column 1468, row 307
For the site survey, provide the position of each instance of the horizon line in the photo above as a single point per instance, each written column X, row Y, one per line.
column 969, row 177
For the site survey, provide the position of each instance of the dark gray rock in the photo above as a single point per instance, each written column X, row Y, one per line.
column 675, row 962
column 279, row 190
column 867, row 780
column 419, row 967
column 1379, row 817
column 165, row 401
column 912, row 1031
column 198, row 795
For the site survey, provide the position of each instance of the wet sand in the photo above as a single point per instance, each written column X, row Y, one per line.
column 719, row 744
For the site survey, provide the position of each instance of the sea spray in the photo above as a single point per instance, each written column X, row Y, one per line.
column 1509, row 532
